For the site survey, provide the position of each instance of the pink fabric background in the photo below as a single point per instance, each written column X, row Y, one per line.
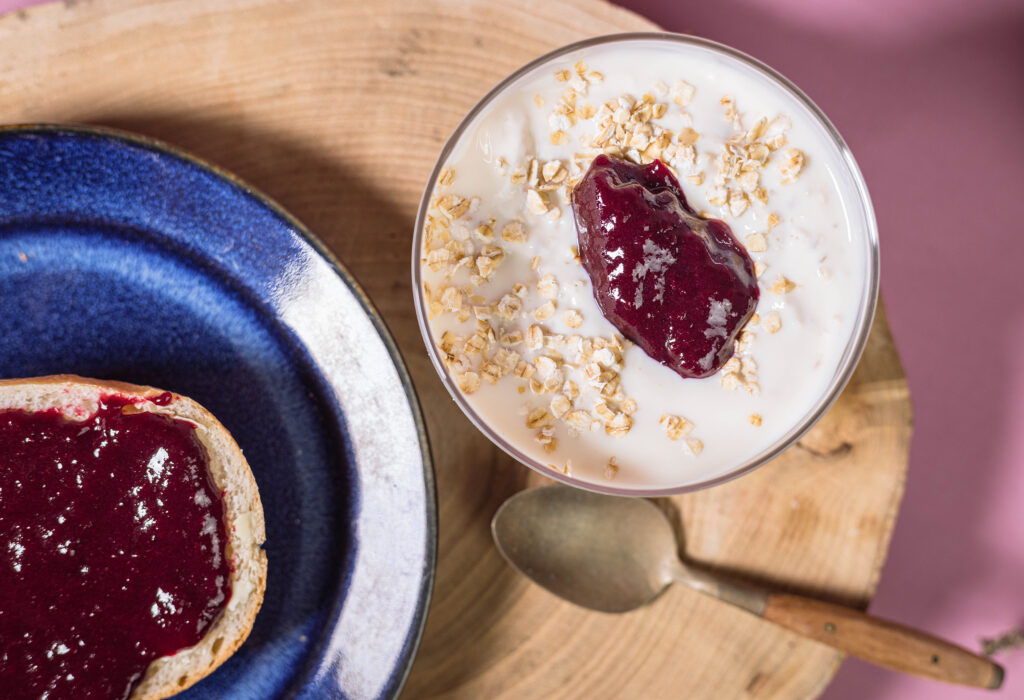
column 930, row 96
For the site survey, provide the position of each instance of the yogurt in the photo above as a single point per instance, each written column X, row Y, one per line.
column 511, row 312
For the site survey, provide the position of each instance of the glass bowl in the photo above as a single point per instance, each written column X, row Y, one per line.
column 862, row 322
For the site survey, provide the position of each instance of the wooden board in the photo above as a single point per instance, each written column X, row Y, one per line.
column 338, row 109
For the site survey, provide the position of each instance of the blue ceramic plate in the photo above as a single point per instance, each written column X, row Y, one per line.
column 123, row 259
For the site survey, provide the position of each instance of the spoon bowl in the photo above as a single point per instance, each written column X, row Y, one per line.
column 607, row 553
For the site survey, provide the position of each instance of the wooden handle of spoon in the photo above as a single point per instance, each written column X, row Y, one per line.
column 882, row 642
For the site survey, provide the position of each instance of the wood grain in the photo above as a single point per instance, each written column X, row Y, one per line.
column 338, row 110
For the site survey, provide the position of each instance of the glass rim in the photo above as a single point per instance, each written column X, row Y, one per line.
column 848, row 361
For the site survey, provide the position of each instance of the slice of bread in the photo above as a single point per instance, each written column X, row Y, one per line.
column 78, row 398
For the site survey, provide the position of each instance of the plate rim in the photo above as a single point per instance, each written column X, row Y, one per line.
column 406, row 660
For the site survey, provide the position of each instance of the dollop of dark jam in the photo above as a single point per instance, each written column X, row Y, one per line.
column 678, row 285
column 112, row 549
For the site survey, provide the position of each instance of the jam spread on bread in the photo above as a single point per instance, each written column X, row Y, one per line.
column 112, row 548
column 678, row 285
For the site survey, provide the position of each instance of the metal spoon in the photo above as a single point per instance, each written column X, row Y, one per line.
column 615, row 554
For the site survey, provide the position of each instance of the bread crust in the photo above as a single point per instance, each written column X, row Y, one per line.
column 77, row 397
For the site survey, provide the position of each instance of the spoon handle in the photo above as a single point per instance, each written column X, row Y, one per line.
column 882, row 642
